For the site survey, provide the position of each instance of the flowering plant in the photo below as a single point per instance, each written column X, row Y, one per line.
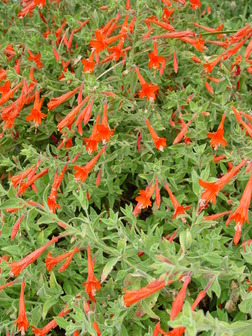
column 126, row 167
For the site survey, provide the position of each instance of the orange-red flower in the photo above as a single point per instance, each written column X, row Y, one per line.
column 7, row 95
column 51, row 262
column 18, row 266
column 195, row 4
column 167, row 13
column 30, row 182
column 242, row 32
column 35, row 58
column 247, row 126
column 184, row 130
column 157, row 193
column 217, row 138
column 51, row 201
column 160, row 143
column 175, row 62
column 212, row 30
column 94, row 139
column 127, row 7
column 216, row 216
column 16, row 226
column 22, row 321
column 148, row 90
column 51, row 325
column 212, row 188
column 82, row 172
column 88, row 64
column 5, row 88
column 54, row 102
column 198, row 43
column 178, row 302
column 210, row 65
column 143, row 201
column 133, row 296
column 36, row 113
column 92, row 284
column 240, row 215
column 155, row 59
column 164, row 25
column 179, row 209
column 103, row 130
column 69, row 119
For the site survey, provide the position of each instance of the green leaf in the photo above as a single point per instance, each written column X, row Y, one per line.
column 47, row 305
column 108, row 268
column 62, row 323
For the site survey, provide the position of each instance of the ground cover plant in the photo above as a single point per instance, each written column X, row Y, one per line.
column 126, row 172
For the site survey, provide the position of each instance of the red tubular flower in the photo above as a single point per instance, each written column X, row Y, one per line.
column 139, row 137
column 2, row 74
column 154, row 59
column 247, row 126
column 17, row 179
column 209, row 66
column 6, row 88
column 69, row 259
column 195, row 59
column 51, row 325
column 240, row 215
column 87, row 115
column 195, row 4
column 178, row 302
column 127, row 7
column 69, row 119
column 8, row 284
column 92, row 284
column 54, row 102
column 157, row 193
column 148, row 90
column 184, row 130
column 22, row 321
column 51, row 261
column 160, row 143
column 18, row 266
column 217, row 138
column 178, row 35
column 16, row 226
column 248, row 50
column 30, row 182
column 35, row 58
column 212, row 30
column 230, row 52
column 212, row 188
column 93, row 140
column 103, row 130
column 216, row 216
column 36, row 114
column 143, row 201
column 158, row 330
column 82, row 172
column 175, row 62
column 209, row 88
column 51, row 201
column 164, row 25
column 88, row 64
column 179, row 209
column 5, row 97
column 133, row 296
column 242, row 32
